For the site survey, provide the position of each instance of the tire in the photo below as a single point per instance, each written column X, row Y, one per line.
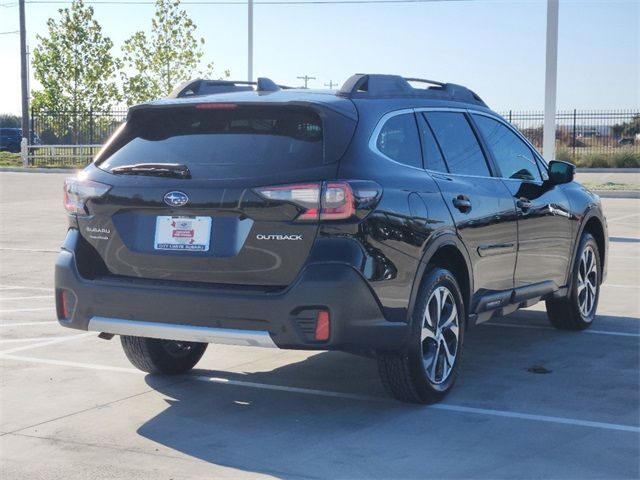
column 410, row 375
column 578, row 309
column 170, row 357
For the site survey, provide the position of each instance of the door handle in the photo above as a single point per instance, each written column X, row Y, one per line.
column 462, row 203
column 524, row 203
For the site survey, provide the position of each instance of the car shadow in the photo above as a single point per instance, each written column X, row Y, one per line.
column 238, row 420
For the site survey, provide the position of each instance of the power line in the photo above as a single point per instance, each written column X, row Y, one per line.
column 228, row 2
column 306, row 79
column 7, row 33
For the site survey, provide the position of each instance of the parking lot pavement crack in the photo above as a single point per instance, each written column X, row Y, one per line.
column 94, row 407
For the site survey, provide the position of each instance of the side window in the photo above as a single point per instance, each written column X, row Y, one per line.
column 399, row 140
column 433, row 159
column 459, row 144
column 514, row 157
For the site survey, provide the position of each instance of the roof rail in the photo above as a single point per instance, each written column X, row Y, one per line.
column 201, row 86
column 363, row 85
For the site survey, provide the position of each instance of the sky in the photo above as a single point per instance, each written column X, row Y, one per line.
column 494, row 47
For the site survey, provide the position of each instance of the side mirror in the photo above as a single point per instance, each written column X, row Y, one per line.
column 561, row 172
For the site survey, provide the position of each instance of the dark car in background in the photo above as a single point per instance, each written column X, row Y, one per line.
column 385, row 220
column 10, row 139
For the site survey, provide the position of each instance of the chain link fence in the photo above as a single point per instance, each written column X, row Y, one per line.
column 595, row 138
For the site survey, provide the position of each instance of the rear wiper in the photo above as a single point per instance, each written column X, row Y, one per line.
column 174, row 170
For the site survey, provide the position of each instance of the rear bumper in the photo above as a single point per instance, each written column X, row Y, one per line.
column 221, row 315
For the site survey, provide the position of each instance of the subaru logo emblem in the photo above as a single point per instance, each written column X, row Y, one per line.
column 176, row 199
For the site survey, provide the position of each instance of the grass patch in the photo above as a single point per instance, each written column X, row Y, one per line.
column 623, row 159
column 612, row 186
column 10, row 159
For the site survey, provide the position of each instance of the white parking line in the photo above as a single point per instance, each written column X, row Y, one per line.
column 350, row 396
column 609, row 220
column 17, row 310
column 32, row 339
column 617, row 285
column 49, row 342
column 38, row 250
column 23, row 287
column 27, row 298
column 542, row 327
column 26, row 324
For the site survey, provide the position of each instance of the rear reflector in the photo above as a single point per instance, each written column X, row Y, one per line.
column 322, row 326
column 65, row 304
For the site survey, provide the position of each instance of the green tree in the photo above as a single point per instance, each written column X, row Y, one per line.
column 74, row 64
column 157, row 62
column 8, row 120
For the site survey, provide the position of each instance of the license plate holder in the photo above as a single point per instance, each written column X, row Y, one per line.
column 182, row 234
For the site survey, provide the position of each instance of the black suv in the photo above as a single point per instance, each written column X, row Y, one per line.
column 384, row 219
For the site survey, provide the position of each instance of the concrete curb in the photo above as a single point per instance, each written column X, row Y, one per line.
column 617, row 193
column 70, row 171
column 608, row 170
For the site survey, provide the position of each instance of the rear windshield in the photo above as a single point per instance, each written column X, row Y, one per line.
column 226, row 141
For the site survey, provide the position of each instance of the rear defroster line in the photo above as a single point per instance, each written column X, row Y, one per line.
column 348, row 396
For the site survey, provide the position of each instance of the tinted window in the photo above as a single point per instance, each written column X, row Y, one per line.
column 399, row 140
column 433, row 159
column 514, row 157
column 459, row 144
column 225, row 143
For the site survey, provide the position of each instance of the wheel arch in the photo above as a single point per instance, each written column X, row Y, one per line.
column 592, row 223
column 447, row 251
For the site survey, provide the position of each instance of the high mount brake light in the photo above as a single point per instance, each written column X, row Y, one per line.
column 323, row 201
column 216, row 106
column 77, row 191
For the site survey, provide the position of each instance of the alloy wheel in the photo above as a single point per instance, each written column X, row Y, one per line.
column 587, row 281
column 440, row 335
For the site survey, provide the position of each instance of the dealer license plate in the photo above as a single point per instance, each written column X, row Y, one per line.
column 183, row 233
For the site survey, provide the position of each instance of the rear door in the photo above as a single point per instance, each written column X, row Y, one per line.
column 245, row 211
column 544, row 214
column 481, row 206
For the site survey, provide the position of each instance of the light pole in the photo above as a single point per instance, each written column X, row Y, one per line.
column 250, row 41
column 23, row 74
column 551, row 81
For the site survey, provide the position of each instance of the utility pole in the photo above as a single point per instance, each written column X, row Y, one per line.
column 330, row 84
column 550, row 83
column 306, row 79
column 23, row 74
column 250, row 41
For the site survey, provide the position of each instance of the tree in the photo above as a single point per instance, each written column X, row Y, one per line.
column 627, row 129
column 74, row 63
column 170, row 54
column 76, row 69
column 8, row 120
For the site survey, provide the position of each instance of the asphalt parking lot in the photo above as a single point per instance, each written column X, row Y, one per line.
column 72, row 407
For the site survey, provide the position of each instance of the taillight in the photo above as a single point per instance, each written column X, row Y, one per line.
column 306, row 196
column 77, row 191
column 337, row 202
column 328, row 200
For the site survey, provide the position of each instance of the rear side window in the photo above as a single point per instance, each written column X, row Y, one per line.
column 399, row 140
column 227, row 142
column 433, row 159
column 459, row 144
column 514, row 158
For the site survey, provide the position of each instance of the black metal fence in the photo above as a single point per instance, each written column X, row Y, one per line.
column 583, row 133
column 75, row 128
column 586, row 137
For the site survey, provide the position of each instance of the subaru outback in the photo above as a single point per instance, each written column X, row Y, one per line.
column 384, row 219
